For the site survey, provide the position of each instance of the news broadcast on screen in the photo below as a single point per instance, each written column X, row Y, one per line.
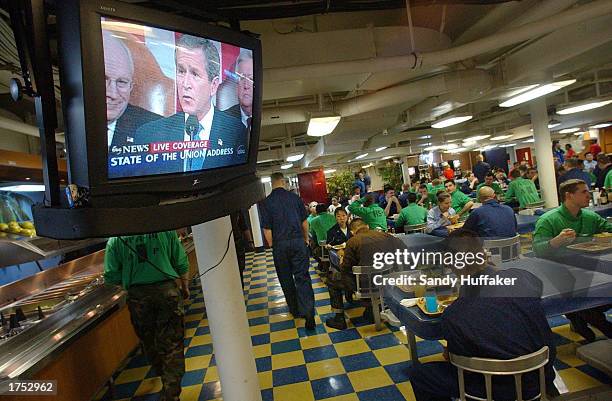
column 175, row 103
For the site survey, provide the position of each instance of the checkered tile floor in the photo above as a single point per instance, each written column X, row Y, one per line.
column 355, row 364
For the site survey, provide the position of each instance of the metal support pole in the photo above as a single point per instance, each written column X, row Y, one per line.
column 543, row 151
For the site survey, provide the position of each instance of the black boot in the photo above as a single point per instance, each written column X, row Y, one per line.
column 349, row 297
column 368, row 314
column 310, row 323
column 337, row 322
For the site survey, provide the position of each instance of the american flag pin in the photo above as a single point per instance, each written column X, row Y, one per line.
column 130, row 139
column 220, row 142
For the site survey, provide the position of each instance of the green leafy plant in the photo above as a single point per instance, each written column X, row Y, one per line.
column 340, row 180
column 392, row 175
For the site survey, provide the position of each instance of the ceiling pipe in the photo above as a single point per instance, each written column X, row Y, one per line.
column 23, row 128
column 468, row 83
column 431, row 59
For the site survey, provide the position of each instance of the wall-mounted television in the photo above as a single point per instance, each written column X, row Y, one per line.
column 156, row 104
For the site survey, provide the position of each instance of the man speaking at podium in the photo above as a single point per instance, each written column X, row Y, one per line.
column 197, row 79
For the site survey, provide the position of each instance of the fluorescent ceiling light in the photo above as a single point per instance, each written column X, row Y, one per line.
column 529, row 140
column 451, row 146
column 435, row 147
column 501, row 137
column 361, row 156
column 381, row 148
column 507, row 145
column 266, row 179
column 265, row 161
column 295, row 157
column 582, row 106
column 456, row 150
column 321, row 126
column 386, row 158
column 553, row 123
column 602, row 125
column 579, row 133
column 24, row 188
column 368, row 165
column 476, row 138
column 520, row 90
column 448, row 121
column 536, row 92
column 331, row 170
column 453, row 140
column 425, row 137
column 569, row 130
column 286, row 166
column 488, row 147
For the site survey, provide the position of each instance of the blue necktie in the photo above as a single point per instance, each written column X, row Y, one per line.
column 193, row 128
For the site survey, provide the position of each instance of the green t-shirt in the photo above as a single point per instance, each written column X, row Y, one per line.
column 496, row 187
column 309, row 219
column 523, row 190
column 434, row 190
column 608, row 181
column 411, row 215
column 164, row 251
column 373, row 215
column 459, row 200
column 320, row 225
column 551, row 223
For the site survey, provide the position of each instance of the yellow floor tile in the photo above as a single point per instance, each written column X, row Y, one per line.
column 406, row 390
column 197, row 362
column 191, row 393
column 211, row 375
column 259, row 329
column 282, row 335
column 265, row 379
column 401, row 336
column 321, row 295
column 293, row 392
column 149, row 386
column 318, row 285
column 315, row 341
column 567, row 354
column 203, row 323
column 201, row 340
column 324, row 368
column 197, row 305
column 575, row 380
column 345, row 397
column 190, row 332
column 132, row 375
column 391, row 355
column 351, row 347
column 193, row 317
column 262, row 350
column 432, row 358
column 355, row 312
column 322, row 310
column 257, row 313
column 369, row 378
column 370, row 330
column 567, row 333
column 257, row 301
column 287, row 359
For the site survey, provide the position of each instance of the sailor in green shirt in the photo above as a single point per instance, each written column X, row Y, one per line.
column 426, row 198
column 608, row 181
column 147, row 266
column 521, row 189
column 369, row 211
column 460, row 202
column 312, row 210
column 435, row 187
column 320, row 225
column 560, row 227
column 411, row 214
column 490, row 182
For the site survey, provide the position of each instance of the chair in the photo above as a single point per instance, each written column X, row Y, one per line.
column 504, row 250
column 597, row 354
column 415, row 228
column 535, row 205
column 366, row 289
column 495, row 367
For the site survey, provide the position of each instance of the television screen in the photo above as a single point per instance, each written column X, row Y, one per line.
column 175, row 103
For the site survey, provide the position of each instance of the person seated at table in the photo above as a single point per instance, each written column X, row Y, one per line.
column 440, row 217
column 488, row 322
column 412, row 214
column 532, row 174
column 573, row 170
column 339, row 233
column 460, row 202
column 435, row 186
column 406, row 189
column 369, row 211
column 312, row 211
column 319, row 226
column 359, row 251
column 425, row 198
column 389, row 202
column 562, row 226
column 489, row 181
column 521, row 191
column 492, row 220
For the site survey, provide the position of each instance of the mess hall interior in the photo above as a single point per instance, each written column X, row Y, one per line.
column 307, row 200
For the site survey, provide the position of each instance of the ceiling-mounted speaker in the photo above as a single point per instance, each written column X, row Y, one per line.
column 16, row 89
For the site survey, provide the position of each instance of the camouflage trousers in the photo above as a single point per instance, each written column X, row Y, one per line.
column 157, row 316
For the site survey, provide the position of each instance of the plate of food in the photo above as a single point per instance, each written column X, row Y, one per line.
column 591, row 247
column 338, row 247
column 603, row 238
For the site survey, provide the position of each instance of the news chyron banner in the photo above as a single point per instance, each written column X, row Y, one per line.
column 175, row 103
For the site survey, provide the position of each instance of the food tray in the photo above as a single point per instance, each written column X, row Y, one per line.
column 338, row 247
column 443, row 303
column 591, row 247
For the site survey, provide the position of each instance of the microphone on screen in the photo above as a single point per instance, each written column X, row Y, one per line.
column 191, row 126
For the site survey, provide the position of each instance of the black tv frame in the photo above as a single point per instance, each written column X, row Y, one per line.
column 84, row 105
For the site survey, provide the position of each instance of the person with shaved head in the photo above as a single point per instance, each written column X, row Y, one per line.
column 492, row 220
column 122, row 118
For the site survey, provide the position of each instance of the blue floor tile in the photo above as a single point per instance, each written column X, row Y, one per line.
column 147, row 397
column 210, row 391
column 320, row 290
column 365, row 360
column 193, row 311
column 389, row 393
column 256, row 321
column 556, row 321
column 126, row 390
column 560, row 365
column 263, row 364
column 186, row 342
column 331, row 387
column 277, row 310
column 399, row 372
column 595, row 373
column 285, row 346
column 319, row 329
column 137, row 361
column 382, row 341
column 267, row 395
column 193, row 377
column 260, row 339
column 426, row 348
column 200, row 331
column 253, row 286
column 295, row 374
column 192, row 325
column 344, row 335
column 251, row 308
column 199, row 350
column 284, row 325
column 322, row 302
column 258, row 295
column 319, row 353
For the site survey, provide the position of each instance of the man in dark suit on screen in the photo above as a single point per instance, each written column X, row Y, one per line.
column 244, row 88
column 197, row 79
column 123, row 118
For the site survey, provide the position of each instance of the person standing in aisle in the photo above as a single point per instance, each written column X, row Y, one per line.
column 286, row 230
column 147, row 266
